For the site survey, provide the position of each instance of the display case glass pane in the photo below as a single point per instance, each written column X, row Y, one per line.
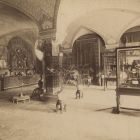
column 128, row 67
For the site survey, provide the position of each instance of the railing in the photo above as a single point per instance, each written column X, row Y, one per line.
column 15, row 81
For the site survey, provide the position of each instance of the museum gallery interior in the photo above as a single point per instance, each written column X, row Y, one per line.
column 58, row 43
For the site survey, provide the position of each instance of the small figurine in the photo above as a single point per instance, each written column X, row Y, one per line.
column 60, row 106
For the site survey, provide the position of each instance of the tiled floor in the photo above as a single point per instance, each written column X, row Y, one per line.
column 90, row 118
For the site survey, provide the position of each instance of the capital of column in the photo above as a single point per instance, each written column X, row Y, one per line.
column 112, row 46
column 50, row 44
column 48, row 34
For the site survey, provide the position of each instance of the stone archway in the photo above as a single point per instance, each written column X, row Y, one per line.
column 87, row 55
column 131, row 37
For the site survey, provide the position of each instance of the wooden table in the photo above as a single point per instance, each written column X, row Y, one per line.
column 24, row 98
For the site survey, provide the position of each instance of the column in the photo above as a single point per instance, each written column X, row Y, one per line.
column 51, row 73
column 99, row 52
column 77, row 54
column 80, row 54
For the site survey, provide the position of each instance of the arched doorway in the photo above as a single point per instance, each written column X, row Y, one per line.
column 87, row 56
column 131, row 37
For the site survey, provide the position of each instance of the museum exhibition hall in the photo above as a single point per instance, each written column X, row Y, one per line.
column 70, row 69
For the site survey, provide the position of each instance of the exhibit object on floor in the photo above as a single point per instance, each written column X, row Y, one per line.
column 128, row 73
column 60, row 105
column 21, row 98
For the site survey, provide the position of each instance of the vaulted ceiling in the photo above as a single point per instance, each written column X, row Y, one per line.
column 43, row 12
column 69, row 18
column 12, row 20
column 108, row 18
column 27, row 18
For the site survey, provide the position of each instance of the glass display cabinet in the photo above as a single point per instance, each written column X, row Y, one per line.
column 128, row 73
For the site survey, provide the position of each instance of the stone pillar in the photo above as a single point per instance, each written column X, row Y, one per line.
column 61, row 78
column 51, row 70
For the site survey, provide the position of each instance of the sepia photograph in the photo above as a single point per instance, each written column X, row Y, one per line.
column 69, row 69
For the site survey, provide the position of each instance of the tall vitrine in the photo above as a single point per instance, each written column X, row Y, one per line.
column 128, row 73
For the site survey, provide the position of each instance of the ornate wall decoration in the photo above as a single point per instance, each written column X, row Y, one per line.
column 3, row 57
column 20, row 55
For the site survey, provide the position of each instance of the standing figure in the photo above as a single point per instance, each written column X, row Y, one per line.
column 89, row 81
column 40, row 83
column 79, row 91
column 102, row 79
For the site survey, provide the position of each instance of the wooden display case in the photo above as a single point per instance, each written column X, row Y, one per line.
column 128, row 73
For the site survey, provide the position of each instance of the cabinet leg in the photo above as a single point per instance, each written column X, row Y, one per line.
column 118, row 104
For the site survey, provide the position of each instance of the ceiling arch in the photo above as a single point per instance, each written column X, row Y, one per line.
column 42, row 12
column 133, row 24
column 28, row 35
column 99, row 22
column 80, row 32
column 14, row 22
